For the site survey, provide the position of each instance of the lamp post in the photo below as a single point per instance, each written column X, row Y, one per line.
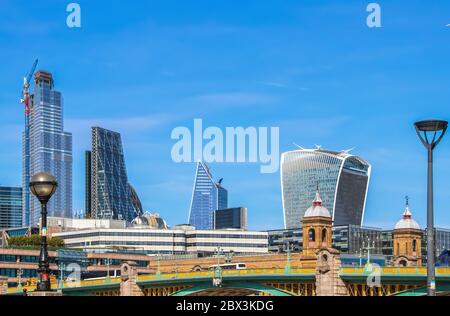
column 43, row 186
column 61, row 275
column 431, row 133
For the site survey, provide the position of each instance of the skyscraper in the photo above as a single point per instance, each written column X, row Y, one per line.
column 50, row 149
column 235, row 218
column 207, row 197
column 10, row 207
column 87, row 184
column 343, row 180
column 110, row 192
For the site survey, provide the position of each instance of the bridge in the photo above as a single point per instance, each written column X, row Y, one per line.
column 259, row 282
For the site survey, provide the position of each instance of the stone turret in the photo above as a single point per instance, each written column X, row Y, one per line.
column 407, row 238
column 317, row 224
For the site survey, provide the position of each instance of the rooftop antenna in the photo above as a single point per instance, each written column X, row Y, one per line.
column 296, row 145
column 349, row 150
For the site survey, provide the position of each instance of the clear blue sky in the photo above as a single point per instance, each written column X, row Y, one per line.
column 313, row 68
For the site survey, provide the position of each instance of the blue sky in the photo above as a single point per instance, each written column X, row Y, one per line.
column 313, row 68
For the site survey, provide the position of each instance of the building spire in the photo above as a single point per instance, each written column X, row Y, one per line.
column 317, row 200
column 407, row 214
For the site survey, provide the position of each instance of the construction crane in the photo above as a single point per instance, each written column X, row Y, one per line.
column 26, row 101
column 26, row 88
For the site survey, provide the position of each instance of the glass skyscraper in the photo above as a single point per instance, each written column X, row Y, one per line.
column 50, row 150
column 110, row 192
column 343, row 180
column 235, row 218
column 207, row 197
column 10, row 207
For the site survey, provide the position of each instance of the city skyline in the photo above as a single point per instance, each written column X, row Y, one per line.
column 328, row 80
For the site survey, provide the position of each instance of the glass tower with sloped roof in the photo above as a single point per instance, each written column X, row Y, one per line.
column 207, row 197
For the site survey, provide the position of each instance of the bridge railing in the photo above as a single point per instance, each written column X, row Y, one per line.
column 66, row 285
column 441, row 271
column 210, row 273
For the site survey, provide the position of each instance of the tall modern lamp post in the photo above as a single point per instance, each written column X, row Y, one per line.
column 431, row 133
column 43, row 186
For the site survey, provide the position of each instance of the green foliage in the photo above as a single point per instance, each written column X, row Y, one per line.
column 34, row 241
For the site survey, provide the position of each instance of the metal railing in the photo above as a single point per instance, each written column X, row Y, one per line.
column 444, row 271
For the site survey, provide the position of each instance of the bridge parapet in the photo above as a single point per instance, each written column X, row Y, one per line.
column 398, row 271
column 307, row 272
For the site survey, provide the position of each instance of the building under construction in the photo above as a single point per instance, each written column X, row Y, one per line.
column 46, row 147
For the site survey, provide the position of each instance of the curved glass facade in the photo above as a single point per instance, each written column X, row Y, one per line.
column 343, row 180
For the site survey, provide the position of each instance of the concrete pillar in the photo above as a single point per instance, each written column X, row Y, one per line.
column 328, row 281
column 128, row 285
column 3, row 285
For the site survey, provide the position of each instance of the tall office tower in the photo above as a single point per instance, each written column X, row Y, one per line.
column 343, row 180
column 87, row 184
column 207, row 197
column 50, row 148
column 110, row 193
column 235, row 218
column 10, row 207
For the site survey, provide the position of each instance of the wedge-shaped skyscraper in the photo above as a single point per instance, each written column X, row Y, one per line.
column 110, row 192
column 207, row 197
column 343, row 180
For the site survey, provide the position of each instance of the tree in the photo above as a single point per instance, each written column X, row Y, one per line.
column 34, row 241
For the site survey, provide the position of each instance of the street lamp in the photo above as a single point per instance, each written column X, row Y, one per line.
column 43, row 186
column 431, row 133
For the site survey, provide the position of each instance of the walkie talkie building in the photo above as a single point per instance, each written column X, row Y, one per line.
column 343, row 180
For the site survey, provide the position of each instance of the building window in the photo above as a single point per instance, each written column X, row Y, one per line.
column 324, row 235
column 312, row 235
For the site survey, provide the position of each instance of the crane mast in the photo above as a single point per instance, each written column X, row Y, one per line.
column 26, row 164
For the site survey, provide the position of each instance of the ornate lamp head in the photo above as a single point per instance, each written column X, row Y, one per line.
column 43, row 186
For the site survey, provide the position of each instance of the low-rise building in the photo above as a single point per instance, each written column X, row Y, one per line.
column 180, row 240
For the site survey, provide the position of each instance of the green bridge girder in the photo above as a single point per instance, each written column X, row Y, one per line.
column 239, row 285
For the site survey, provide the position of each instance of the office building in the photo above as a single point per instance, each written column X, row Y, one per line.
column 10, row 207
column 50, row 150
column 87, row 184
column 343, row 180
column 110, row 192
column 348, row 239
column 179, row 240
column 231, row 218
column 207, row 197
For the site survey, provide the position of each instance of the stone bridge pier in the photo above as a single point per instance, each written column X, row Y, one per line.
column 128, row 284
column 3, row 285
column 328, row 280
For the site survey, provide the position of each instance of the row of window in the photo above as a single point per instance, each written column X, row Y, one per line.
column 121, row 234
column 126, row 243
column 163, row 234
column 13, row 273
column 213, row 244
